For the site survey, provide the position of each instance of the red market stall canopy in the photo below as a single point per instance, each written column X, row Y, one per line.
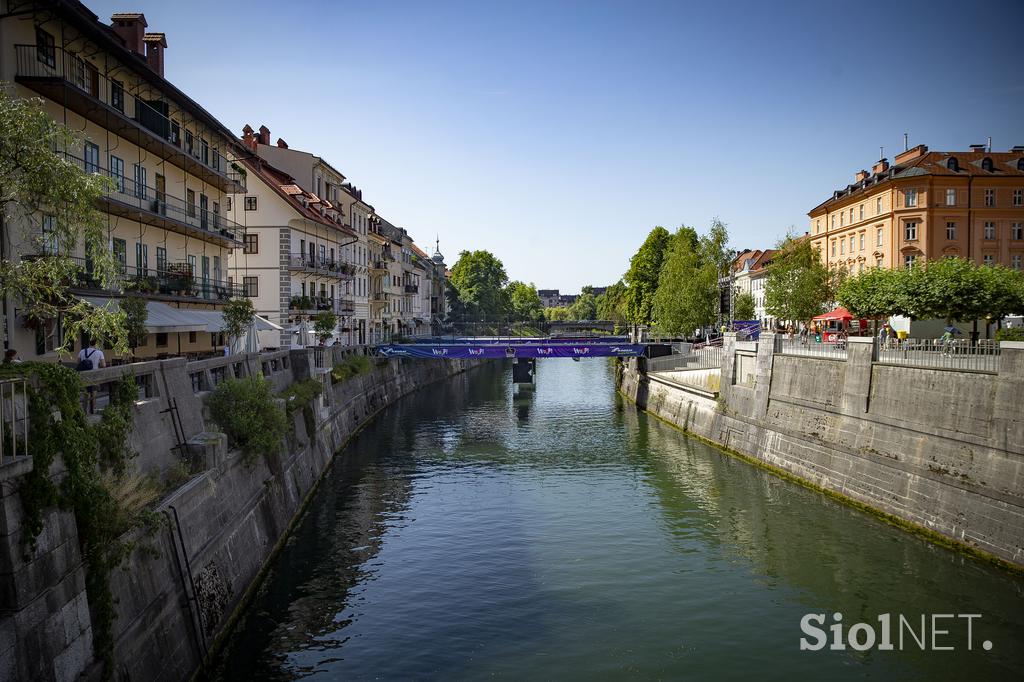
column 839, row 314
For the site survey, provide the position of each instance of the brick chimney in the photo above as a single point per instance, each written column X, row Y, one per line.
column 880, row 167
column 861, row 175
column 281, row 143
column 264, row 136
column 130, row 27
column 249, row 137
column 911, row 154
column 156, row 43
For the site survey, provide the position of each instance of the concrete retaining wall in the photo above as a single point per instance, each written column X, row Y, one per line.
column 940, row 449
column 222, row 524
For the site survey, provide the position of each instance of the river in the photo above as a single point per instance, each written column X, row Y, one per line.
column 477, row 529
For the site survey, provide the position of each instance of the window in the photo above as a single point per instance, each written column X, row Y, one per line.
column 952, row 164
column 990, row 197
column 140, row 180
column 227, row 206
column 175, row 137
column 51, row 247
column 141, row 259
column 988, row 259
column 117, row 172
column 189, row 143
column 842, row 246
column 878, row 206
column 950, row 197
column 841, row 215
column 910, row 231
column 1018, row 197
column 910, row 197
column 120, row 250
column 1017, row 231
column 216, row 215
column 161, row 259
column 251, row 286
column 990, row 230
column 205, row 147
column 817, row 226
column 46, row 52
column 1015, row 261
column 117, row 95
column 851, row 215
column 252, row 243
column 833, row 221
column 204, row 213
column 250, row 203
column 861, row 214
column 986, row 164
column 191, row 337
column 851, row 243
column 950, row 231
column 92, row 158
column 878, row 262
column 878, row 240
column 862, row 240
column 909, row 260
column 190, row 200
column 161, row 339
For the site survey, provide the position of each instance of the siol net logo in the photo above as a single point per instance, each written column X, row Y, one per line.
column 938, row 632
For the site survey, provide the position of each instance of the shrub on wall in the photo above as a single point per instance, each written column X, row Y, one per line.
column 352, row 366
column 1010, row 334
column 300, row 396
column 247, row 412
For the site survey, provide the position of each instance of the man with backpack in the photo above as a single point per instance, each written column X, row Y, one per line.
column 90, row 358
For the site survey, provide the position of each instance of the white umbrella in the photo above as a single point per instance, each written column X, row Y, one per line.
column 252, row 342
column 303, row 331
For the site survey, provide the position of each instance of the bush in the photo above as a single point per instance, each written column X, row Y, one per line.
column 352, row 366
column 301, row 395
column 1010, row 334
column 247, row 412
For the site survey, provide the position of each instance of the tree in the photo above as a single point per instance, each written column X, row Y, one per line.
column 135, row 313
column 687, row 294
column 583, row 308
column 524, row 302
column 744, row 307
column 642, row 276
column 560, row 314
column 480, row 279
column 37, row 182
column 799, row 286
column 238, row 315
column 611, row 305
column 324, row 324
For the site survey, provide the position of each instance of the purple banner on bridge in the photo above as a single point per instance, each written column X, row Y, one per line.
column 441, row 351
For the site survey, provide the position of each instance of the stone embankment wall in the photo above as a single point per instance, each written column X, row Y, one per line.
column 942, row 450
column 222, row 525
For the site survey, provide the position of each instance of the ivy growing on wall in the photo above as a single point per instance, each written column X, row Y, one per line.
column 106, row 500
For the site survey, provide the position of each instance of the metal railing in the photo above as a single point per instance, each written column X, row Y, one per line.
column 42, row 63
column 312, row 263
column 150, row 200
column 706, row 357
column 171, row 279
column 320, row 304
column 412, row 288
column 808, row 347
column 958, row 354
column 13, row 419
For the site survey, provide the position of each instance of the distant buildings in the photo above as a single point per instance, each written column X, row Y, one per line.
column 551, row 298
column 926, row 205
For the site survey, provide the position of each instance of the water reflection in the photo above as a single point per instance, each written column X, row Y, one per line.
column 479, row 529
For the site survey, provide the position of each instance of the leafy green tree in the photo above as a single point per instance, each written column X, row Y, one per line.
column 480, row 279
column 524, row 302
column 611, row 305
column 238, row 315
column 583, row 308
column 559, row 314
column 135, row 313
column 799, row 285
column 642, row 276
column 36, row 181
column 743, row 307
column 324, row 324
column 588, row 289
column 687, row 294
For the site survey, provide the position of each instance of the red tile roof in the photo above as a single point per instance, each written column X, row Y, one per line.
column 285, row 186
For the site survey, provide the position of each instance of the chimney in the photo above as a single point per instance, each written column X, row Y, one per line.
column 1017, row 148
column 156, row 43
column 860, row 176
column 880, row 167
column 249, row 137
column 980, row 148
column 911, row 154
column 264, row 136
column 281, row 143
column 130, row 27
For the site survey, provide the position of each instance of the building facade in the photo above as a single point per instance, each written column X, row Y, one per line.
column 926, row 205
column 171, row 163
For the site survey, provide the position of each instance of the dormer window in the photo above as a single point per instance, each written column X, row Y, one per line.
column 1020, row 164
column 986, row 164
column 952, row 164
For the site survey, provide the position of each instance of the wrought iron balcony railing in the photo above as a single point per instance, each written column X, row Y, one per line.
column 173, row 279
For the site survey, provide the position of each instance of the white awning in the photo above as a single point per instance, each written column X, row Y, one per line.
column 214, row 321
column 161, row 318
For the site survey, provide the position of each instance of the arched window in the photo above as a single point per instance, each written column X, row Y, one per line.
column 986, row 164
column 1020, row 164
column 952, row 164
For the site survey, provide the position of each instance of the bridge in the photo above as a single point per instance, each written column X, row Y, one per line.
column 510, row 347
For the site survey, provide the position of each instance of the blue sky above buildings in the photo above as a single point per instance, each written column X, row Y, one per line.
column 556, row 134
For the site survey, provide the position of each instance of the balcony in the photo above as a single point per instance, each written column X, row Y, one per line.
column 378, row 267
column 412, row 288
column 151, row 206
column 173, row 281
column 311, row 305
column 68, row 80
column 309, row 263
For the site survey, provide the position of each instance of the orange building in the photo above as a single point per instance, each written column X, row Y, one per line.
column 926, row 205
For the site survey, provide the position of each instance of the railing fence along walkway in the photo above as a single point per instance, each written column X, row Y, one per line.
column 808, row 346
column 959, row 354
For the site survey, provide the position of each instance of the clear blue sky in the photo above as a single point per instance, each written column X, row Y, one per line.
column 556, row 134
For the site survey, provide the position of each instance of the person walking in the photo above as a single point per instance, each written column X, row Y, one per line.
column 90, row 358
